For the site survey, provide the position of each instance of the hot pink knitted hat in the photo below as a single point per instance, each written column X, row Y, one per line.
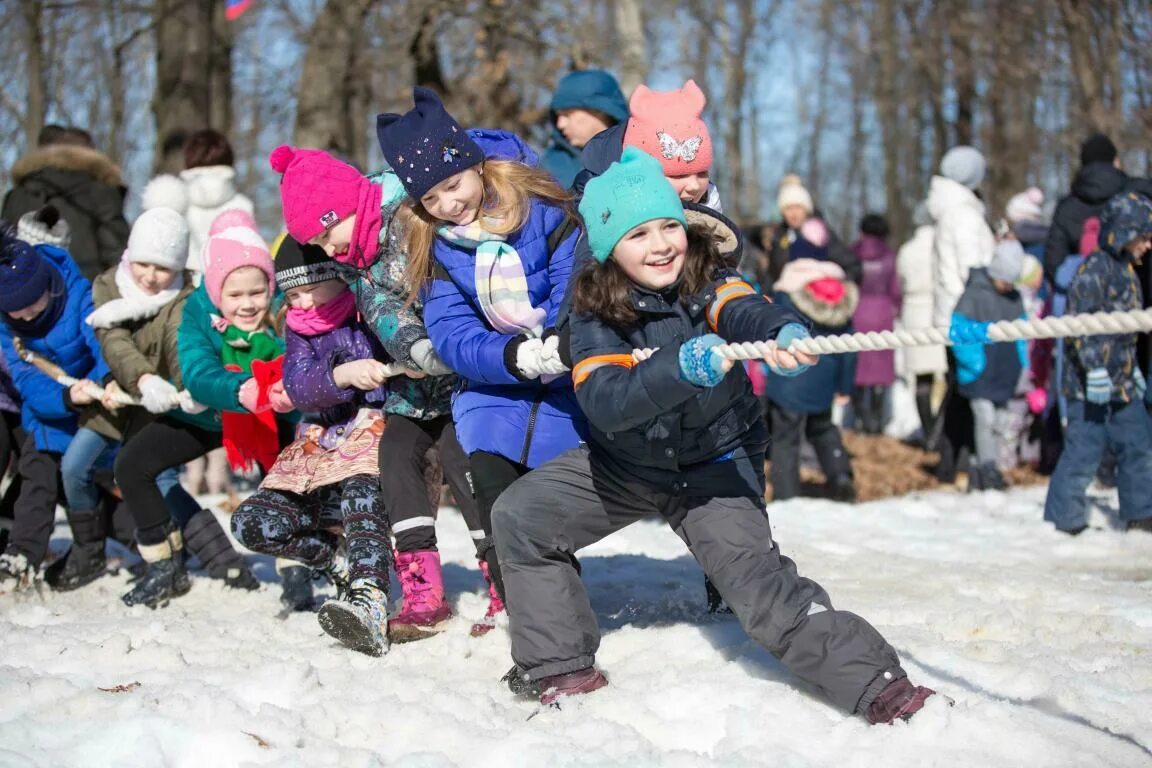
column 667, row 125
column 233, row 243
column 316, row 190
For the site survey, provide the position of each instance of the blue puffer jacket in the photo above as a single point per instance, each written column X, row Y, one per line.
column 591, row 89
column 647, row 422
column 988, row 371
column 494, row 410
column 70, row 344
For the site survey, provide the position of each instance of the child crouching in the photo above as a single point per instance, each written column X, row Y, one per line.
column 327, row 478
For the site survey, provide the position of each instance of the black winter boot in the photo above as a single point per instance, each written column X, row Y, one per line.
column 842, row 488
column 296, row 586
column 1144, row 524
column 85, row 561
column 164, row 577
column 207, row 540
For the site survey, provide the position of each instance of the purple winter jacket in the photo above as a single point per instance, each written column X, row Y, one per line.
column 879, row 306
column 308, row 364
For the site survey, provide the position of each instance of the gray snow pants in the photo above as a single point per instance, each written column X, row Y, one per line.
column 574, row 501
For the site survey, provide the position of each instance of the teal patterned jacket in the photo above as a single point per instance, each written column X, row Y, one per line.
column 380, row 296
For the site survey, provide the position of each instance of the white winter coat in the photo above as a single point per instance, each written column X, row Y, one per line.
column 916, row 265
column 963, row 240
column 201, row 194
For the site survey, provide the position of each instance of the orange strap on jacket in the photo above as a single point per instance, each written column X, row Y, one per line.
column 725, row 294
column 585, row 367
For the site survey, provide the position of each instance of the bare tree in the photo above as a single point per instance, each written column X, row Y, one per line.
column 331, row 112
column 193, row 68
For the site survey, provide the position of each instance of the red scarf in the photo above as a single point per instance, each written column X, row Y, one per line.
column 253, row 438
column 324, row 318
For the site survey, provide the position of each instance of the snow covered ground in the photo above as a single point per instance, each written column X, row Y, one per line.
column 1044, row 643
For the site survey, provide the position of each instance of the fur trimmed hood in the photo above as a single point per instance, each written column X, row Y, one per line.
column 68, row 158
column 794, row 281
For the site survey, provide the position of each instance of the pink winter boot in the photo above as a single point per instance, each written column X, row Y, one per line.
column 495, row 606
column 424, row 610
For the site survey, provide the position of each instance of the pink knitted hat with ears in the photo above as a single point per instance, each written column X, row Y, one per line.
column 316, row 190
column 667, row 125
column 234, row 243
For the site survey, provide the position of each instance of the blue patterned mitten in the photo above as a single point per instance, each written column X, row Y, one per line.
column 788, row 334
column 699, row 365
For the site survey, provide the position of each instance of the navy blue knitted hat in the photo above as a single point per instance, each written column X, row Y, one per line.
column 425, row 145
column 24, row 274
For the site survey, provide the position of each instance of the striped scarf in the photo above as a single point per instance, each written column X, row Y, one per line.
column 501, row 285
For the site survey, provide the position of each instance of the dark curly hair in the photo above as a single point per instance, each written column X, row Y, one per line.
column 603, row 290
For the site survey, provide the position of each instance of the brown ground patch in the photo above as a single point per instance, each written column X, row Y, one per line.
column 886, row 467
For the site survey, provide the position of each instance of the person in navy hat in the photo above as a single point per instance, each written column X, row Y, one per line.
column 490, row 241
column 43, row 302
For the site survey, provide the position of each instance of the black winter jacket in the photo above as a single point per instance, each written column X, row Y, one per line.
column 1093, row 186
column 647, row 422
column 85, row 186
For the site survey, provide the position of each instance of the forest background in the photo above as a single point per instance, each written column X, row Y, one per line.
column 861, row 98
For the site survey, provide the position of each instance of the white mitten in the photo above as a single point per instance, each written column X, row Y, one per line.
column 157, row 395
column 425, row 356
column 188, row 405
column 550, row 362
column 528, row 361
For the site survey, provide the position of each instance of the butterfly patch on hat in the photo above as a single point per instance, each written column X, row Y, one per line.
column 679, row 150
column 329, row 219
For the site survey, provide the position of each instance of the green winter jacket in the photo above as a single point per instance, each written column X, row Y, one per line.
column 200, row 345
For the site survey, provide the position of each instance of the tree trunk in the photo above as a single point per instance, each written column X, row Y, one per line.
column 193, row 69
column 888, row 109
column 632, row 47
column 37, row 101
column 328, row 99
column 735, row 98
column 1091, row 72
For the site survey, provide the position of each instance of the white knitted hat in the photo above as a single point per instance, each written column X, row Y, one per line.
column 160, row 237
column 792, row 192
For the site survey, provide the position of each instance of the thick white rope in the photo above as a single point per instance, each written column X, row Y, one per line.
column 1094, row 324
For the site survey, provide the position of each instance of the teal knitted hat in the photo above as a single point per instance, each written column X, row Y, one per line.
column 631, row 192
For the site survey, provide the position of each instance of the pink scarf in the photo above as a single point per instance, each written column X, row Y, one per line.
column 324, row 318
column 366, row 237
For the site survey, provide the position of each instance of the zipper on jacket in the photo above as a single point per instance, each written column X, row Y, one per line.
column 531, row 426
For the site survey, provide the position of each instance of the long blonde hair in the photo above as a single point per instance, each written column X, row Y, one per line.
column 509, row 188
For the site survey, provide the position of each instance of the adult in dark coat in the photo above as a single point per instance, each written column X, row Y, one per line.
column 84, row 185
column 1099, row 179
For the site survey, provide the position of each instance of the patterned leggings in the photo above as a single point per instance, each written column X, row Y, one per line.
column 305, row 528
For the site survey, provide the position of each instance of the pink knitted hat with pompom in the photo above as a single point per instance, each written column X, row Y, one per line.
column 233, row 243
column 667, row 125
column 316, row 190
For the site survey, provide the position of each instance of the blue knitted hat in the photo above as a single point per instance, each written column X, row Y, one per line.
column 24, row 274
column 631, row 192
column 425, row 145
